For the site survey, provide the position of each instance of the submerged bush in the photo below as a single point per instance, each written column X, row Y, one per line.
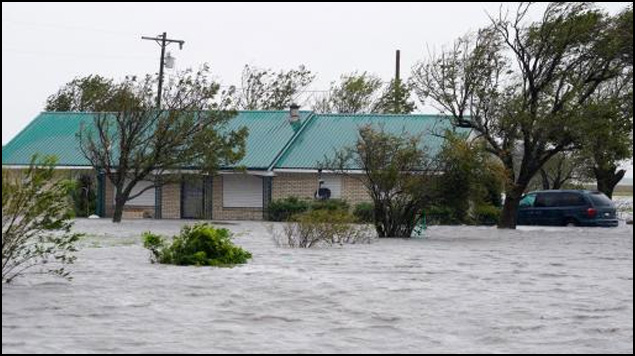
column 487, row 215
column 198, row 245
column 365, row 213
column 284, row 209
column 330, row 205
column 322, row 228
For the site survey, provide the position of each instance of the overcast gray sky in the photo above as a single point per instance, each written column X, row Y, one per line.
column 47, row 45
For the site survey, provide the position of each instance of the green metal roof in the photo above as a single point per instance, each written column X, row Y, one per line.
column 55, row 134
column 49, row 134
column 269, row 132
column 324, row 134
column 272, row 142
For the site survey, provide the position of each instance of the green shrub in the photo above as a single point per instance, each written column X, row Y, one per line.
column 441, row 215
column 487, row 215
column 284, row 209
column 330, row 205
column 322, row 228
column 365, row 213
column 36, row 221
column 198, row 245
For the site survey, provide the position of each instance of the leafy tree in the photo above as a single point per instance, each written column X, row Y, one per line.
column 609, row 141
column 526, row 87
column 477, row 174
column 36, row 221
column 354, row 94
column 137, row 141
column 396, row 172
column 565, row 170
column 264, row 89
column 86, row 94
column 396, row 99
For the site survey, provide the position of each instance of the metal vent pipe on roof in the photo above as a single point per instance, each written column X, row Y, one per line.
column 294, row 113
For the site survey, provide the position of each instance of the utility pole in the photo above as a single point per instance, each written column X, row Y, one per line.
column 163, row 41
column 397, row 80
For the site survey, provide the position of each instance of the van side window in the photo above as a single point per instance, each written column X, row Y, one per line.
column 546, row 201
column 571, row 200
column 528, row 201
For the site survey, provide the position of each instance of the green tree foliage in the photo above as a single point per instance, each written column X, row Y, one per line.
column 85, row 94
column 354, row 94
column 396, row 99
column 609, row 141
column 397, row 173
column 36, row 222
column 137, row 141
column 264, row 89
column 198, row 245
column 527, row 86
column 564, row 170
column 471, row 177
column 284, row 209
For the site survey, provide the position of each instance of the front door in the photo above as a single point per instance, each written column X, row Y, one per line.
column 192, row 198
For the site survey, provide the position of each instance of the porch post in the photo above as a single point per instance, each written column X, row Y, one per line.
column 266, row 199
column 158, row 198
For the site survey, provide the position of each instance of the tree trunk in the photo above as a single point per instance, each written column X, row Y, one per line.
column 546, row 185
column 509, row 217
column 608, row 179
column 119, row 204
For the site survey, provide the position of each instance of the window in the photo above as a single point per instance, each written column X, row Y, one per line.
column 570, row 200
column 334, row 184
column 528, row 201
column 546, row 200
column 242, row 191
column 601, row 200
column 147, row 198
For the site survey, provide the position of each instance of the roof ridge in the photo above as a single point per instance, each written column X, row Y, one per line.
column 383, row 115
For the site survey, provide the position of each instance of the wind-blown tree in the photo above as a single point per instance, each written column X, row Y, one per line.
column 83, row 94
column 36, row 222
column 527, row 86
column 397, row 173
column 565, row 168
column 264, row 89
column 610, row 139
column 354, row 94
column 137, row 141
column 395, row 99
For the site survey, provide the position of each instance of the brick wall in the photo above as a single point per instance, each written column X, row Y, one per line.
column 304, row 185
column 171, row 201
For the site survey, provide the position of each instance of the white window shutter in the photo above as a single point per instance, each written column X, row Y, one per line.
column 146, row 199
column 242, row 191
column 334, row 184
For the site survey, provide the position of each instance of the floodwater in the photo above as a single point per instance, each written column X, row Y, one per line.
column 460, row 290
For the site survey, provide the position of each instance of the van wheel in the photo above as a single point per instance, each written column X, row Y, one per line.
column 571, row 223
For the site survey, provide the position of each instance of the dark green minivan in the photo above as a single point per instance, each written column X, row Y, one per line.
column 567, row 208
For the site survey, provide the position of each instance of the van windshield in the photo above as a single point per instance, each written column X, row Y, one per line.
column 601, row 200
